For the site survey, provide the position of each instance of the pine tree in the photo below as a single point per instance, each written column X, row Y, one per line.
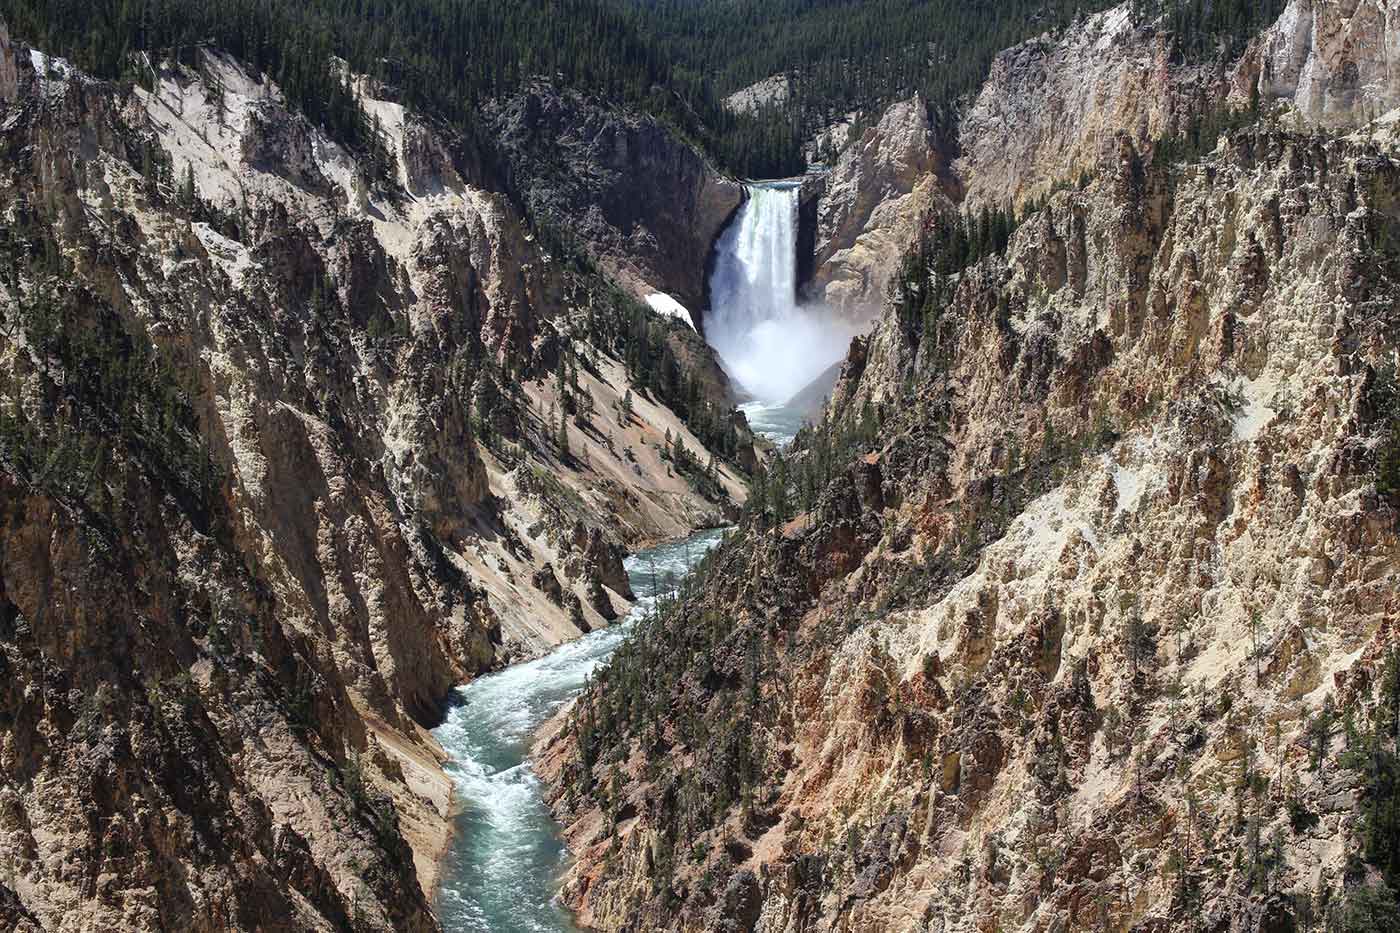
column 562, row 435
column 187, row 190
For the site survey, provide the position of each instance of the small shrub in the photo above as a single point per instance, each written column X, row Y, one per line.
column 1300, row 818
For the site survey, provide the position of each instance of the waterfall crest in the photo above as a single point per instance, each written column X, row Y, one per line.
column 768, row 344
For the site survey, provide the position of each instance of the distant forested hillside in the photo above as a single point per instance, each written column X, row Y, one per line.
column 854, row 54
column 675, row 59
column 443, row 55
column 848, row 53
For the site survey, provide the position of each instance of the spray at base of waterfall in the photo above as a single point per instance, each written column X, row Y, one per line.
column 772, row 347
column 777, row 358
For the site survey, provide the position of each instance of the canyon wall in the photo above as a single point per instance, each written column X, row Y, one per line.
column 295, row 438
column 1334, row 63
column 1055, row 107
column 643, row 204
column 1116, row 553
column 872, row 202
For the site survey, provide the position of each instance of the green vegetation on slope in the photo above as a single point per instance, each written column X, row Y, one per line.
column 112, row 411
column 850, row 55
column 674, row 59
column 446, row 54
column 1218, row 29
column 445, row 57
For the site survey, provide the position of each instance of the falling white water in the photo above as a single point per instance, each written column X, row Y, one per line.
column 768, row 344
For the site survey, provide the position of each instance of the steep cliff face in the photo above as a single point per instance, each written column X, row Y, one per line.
column 577, row 162
column 1334, row 62
column 1053, row 107
column 1065, row 645
column 871, row 204
column 287, row 431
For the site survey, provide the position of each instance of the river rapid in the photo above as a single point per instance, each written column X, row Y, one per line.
column 502, row 871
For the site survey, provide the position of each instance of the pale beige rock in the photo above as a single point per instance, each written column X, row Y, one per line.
column 881, row 189
column 1053, row 107
column 767, row 92
column 1335, row 63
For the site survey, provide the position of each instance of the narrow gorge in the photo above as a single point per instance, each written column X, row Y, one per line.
column 502, row 872
column 1077, row 608
column 710, row 467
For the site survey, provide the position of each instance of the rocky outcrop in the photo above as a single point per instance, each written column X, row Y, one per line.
column 1055, row 107
column 772, row 91
column 1052, row 108
column 606, row 557
column 13, row 914
column 1074, row 629
column 748, row 457
column 873, row 202
column 1332, row 62
column 278, row 141
column 576, row 162
column 545, row 580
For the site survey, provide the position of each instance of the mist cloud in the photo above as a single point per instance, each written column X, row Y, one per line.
column 769, row 345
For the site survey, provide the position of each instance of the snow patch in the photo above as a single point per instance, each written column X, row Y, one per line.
column 670, row 307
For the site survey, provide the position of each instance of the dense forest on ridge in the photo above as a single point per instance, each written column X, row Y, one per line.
column 853, row 55
column 675, row 59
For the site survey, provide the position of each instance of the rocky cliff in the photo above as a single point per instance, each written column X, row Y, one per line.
column 290, row 434
column 1091, row 620
column 872, row 203
column 578, row 162
column 1333, row 62
column 1054, row 107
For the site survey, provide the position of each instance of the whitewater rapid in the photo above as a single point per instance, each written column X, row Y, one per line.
column 503, row 869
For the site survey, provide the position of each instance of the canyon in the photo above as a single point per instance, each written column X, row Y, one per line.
column 365, row 453
column 1072, row 606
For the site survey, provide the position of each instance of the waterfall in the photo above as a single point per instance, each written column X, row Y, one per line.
column 771, row 347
